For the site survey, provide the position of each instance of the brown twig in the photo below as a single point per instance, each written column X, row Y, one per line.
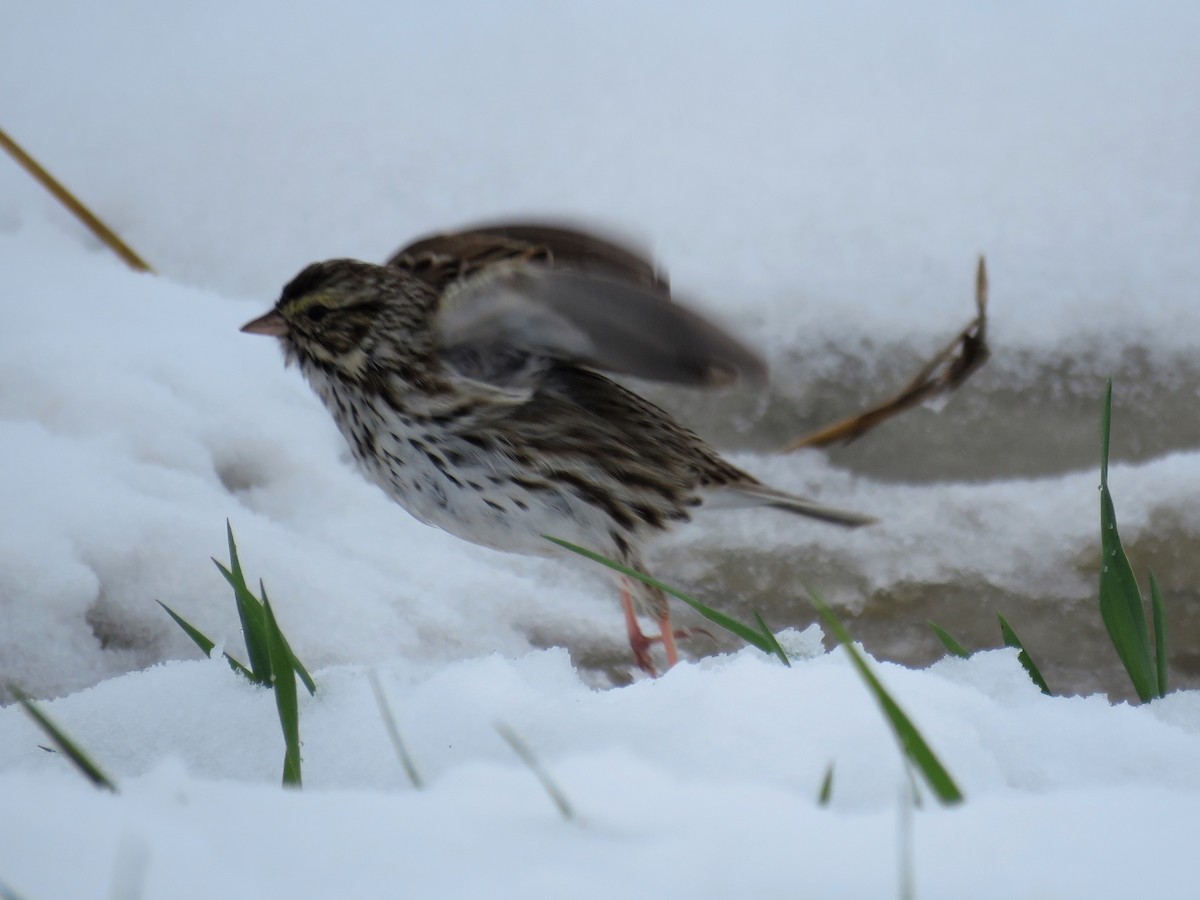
column 67, row 199
column 948, row 369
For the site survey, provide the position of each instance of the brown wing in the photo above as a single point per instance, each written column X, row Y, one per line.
column 516, row 293
column 441, row 259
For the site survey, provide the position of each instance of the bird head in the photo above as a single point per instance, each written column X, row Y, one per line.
column 342, row 314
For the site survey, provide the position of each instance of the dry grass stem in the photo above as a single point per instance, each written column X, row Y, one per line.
column 948, row 369
column 67, row 199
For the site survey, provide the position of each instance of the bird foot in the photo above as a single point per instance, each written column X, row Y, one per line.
column 641, row 643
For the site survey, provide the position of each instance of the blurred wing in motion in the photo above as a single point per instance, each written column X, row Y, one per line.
column 516, row 296
column 444, row 258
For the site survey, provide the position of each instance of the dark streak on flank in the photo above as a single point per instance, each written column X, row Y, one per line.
column 596, row 496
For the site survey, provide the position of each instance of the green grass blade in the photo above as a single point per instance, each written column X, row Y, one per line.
column 1121, row 606
column 291, row 769
column 250, row 612
column 66, row 746
column 253, row 631
column 1120, row 598
column 745, row 632
column 772, row 641
column 1158, row 612
column 250, row 609
column 912, row 743
column 199, row 638
column 205, row 644
column 309, row 684
column 1023, row 657
column 826, row 792
column 952, row 646
column 285, row 697
column 240, row 669
column 393, row 730
column 527, row 756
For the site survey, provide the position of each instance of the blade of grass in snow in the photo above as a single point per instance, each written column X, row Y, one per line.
column 826, row 792
column 912, row 743
column 250, row 612
column 297, row 666
column 1023, row 657
column 527, row 756
column 745, row 632
column 203, row 641
column 66, row 746
column 772, row 641
column 389, row 722
column 199, row 638
column 272, row 661
column 948, row 641
column 1120, row 598
column 252, row 617
column 285, row 696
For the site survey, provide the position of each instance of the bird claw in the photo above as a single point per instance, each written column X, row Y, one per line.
column 641, row 643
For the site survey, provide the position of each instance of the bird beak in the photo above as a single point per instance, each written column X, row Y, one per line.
column 272, row 323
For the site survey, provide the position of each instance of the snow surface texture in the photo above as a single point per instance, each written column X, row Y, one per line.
column 822, row 179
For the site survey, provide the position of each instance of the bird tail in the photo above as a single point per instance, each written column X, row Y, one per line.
column 744, row 495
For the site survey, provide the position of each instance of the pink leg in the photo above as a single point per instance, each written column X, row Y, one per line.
column 667, row 636
column 640, row 643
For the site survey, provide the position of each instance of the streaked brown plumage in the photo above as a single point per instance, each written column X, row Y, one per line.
column 466, row 374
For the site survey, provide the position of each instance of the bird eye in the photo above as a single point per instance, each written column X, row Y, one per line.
column 316, row 313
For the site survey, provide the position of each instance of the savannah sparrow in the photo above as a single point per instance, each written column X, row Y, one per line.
column 466, row 376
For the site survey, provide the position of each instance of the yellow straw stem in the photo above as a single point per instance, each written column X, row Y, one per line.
column 67, row 199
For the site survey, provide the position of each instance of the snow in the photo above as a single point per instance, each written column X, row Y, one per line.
column 702, row 783
column 821, row 178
